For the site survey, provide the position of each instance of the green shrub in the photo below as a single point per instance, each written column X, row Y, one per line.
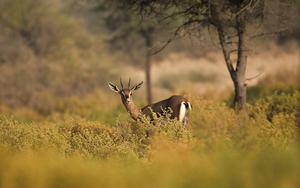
column 220, row 148
column 259, row 91
column 286, row 104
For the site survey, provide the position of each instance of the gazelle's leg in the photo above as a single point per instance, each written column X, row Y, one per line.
column 185, row 122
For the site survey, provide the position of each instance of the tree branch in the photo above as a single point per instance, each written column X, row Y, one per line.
column 242, row 9
column 269, row 33
column 226, row 53
column 177, row 13
column 236, row 50
column 175, row 34
column 253, row 77
column 250, row 5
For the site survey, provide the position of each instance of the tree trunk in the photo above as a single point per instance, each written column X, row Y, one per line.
column 148, row 77
column 237, row 73
column 240, row 85
column 146, row 33
column 240, row 93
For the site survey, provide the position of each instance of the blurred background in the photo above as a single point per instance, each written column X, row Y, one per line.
column 57, row 57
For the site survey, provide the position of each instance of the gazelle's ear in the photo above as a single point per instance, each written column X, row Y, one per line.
column 113, row 87
column 136, row 87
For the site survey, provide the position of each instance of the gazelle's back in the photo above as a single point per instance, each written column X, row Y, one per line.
column 173, row 102
column 178, row 105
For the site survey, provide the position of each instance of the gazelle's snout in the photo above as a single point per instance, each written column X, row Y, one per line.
column 128, row 98
column 126, row 95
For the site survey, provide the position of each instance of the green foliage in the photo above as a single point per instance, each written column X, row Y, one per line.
column 263, row 90
column 219, row 149
column 285, row 104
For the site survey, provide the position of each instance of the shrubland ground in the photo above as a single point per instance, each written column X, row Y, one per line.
column 60, row 126
column 220, row 148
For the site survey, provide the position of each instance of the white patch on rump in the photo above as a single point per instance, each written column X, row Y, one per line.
column 182, row 112
column 189, row 106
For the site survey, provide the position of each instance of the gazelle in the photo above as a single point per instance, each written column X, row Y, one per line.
column 178, row 104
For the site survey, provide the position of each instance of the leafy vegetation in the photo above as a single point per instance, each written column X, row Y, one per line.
column 219, row 148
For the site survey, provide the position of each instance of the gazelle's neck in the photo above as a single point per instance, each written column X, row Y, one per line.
column 132, row 109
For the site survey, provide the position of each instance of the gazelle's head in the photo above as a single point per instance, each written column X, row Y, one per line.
column 125, row 93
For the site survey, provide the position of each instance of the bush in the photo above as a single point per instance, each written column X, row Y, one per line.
column 257, row 92
column 279, row 103
column 219, row 148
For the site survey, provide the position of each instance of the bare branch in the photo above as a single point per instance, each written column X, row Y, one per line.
column 177, row 13
column 231, row 42
column 253, row 77
column 175, row 34
column 245, row 7
column 269, row 34
column 226, row 53
column 236, row 50
column 249, row 6
column 192, row 10
column 163, row 46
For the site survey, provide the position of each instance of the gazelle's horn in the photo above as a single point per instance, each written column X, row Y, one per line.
column 121, row 83
column 129, row 82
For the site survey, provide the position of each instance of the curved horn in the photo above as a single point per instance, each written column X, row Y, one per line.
column 121, row 83
column 129, row 82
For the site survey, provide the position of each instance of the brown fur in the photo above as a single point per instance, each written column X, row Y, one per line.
column 170, row 105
